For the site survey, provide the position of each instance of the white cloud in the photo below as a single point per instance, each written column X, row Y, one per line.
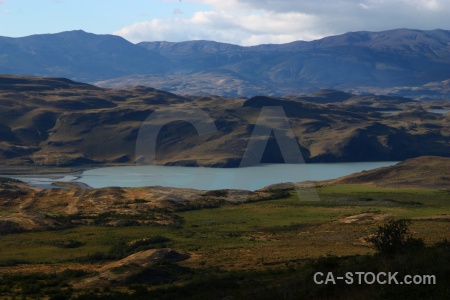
column 251, row 29
column 318, row 6
column 250, row 22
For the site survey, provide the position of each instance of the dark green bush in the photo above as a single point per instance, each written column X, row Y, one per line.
column 394, row 237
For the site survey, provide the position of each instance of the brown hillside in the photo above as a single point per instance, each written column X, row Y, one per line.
column 58, row 122
column 41, row 209
column 421, row 172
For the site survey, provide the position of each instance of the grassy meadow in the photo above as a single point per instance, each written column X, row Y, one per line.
column 269, row 232
column 274, row 240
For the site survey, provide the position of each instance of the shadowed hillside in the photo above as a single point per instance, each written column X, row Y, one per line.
column 53, row 121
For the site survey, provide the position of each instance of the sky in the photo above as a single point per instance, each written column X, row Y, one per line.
column 242, row 22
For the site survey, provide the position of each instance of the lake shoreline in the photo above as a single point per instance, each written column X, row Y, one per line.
column 55, row 171
column 200, row 178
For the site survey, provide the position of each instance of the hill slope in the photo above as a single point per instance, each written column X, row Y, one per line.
column 53, row 121
column 422, row 172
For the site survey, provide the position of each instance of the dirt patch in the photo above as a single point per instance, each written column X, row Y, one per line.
column 122, row 270
column 365, row 218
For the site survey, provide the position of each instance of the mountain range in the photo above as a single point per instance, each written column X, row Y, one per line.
column 403, row 62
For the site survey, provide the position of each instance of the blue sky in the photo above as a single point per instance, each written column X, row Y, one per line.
column 26, row 17
column 244, row 22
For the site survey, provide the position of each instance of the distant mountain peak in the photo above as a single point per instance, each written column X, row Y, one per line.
column 77, row 31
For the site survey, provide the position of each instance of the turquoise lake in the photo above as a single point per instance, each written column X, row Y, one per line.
column 250, row 178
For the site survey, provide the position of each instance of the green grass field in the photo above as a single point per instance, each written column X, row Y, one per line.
column 256, row 234
column 265, row 250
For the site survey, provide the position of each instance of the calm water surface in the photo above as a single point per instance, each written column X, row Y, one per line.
column 250, row 178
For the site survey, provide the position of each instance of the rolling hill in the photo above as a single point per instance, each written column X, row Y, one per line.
column 56, row 121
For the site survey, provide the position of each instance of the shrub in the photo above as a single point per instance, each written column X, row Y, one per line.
column 394, row 237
